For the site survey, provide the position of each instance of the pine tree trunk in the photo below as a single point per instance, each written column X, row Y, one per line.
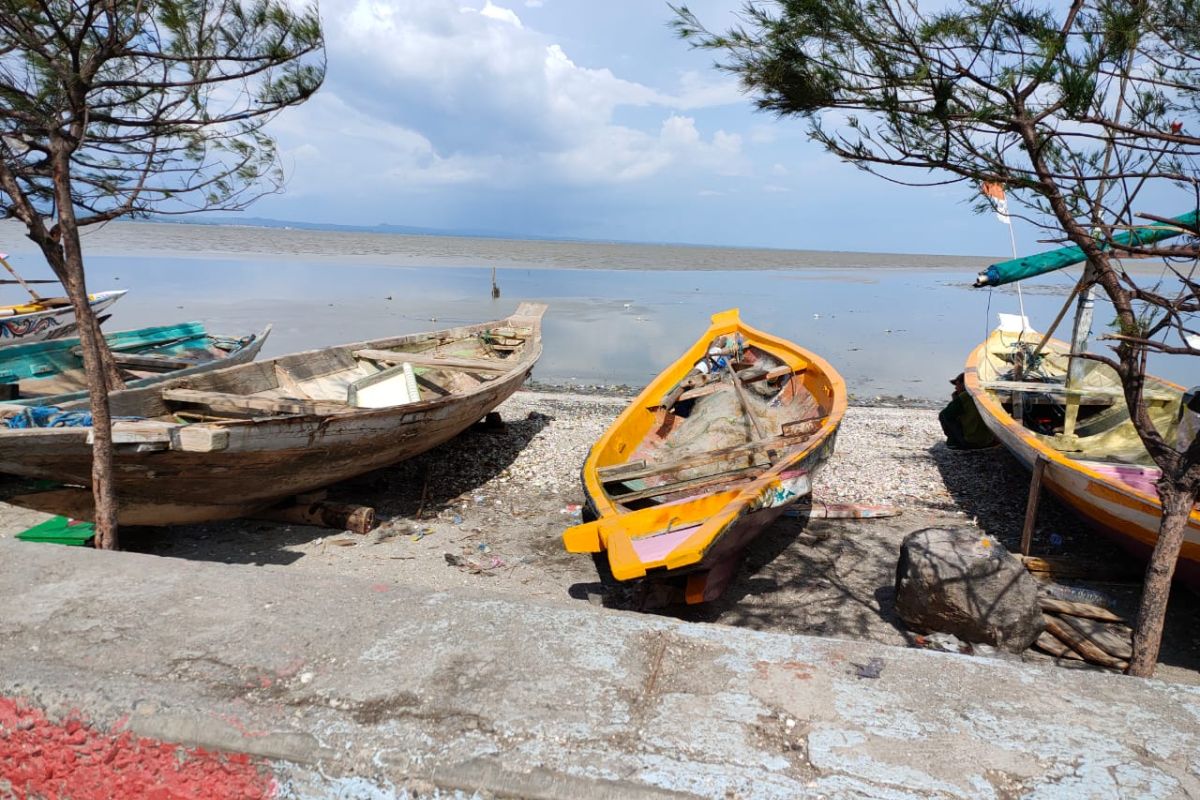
column 1152, row 613
column 103, row 491
column 65, row 254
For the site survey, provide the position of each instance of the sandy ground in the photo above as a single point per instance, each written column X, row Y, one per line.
column 487, row 511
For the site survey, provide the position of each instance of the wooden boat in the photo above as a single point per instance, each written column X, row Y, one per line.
column 1102, row 470
column 51, row 373
column 47, row 317
column 230, row 442
column 710, row 454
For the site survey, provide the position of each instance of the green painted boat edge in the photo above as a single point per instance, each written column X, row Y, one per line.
column 244, row 354
column 21, row 361
column 1016, row 269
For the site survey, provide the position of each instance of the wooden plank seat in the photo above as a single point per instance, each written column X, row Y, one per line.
column 640, row 469
column 438, row 362
column 223, row 402
column 702, row 482
column 151, row 361
column 710, row 384
column 1100, row 392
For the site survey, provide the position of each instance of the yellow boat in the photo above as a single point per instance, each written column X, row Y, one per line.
column 708, row 455
column 1101, row 470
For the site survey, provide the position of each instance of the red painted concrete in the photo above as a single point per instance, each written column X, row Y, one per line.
column 56, row 761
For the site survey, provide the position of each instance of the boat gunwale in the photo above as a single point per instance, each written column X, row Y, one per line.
column 723, row 323
column 987, row 397
column 529, row 357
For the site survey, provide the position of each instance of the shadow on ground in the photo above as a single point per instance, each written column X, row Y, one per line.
column 993, row 487
column 417, row 488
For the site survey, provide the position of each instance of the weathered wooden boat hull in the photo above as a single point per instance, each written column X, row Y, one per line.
column 1119, row 500
column 700, row 537
column 54, row 363
column 242, row 466
column 50, row 323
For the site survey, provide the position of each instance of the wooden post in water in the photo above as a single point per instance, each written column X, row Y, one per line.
column 1035, row 491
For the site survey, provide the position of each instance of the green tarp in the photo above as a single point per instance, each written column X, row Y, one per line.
column 60, row 530
column 1020, row 268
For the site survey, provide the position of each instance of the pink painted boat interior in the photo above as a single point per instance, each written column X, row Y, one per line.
column 654, row 548
column 1143, row 479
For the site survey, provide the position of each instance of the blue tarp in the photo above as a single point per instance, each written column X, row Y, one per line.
column 49, row 417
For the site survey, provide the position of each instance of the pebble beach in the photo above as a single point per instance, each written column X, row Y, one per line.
column 486, row 512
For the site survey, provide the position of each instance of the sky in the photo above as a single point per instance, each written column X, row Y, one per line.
column 578, row 119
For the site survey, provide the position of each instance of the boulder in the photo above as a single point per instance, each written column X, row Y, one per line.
column 960, row 581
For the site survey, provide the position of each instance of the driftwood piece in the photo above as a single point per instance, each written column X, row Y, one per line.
column 339, row 516
column 1087, row 610
column 1116, row 640
column 1082, row 644
column 1048, row 643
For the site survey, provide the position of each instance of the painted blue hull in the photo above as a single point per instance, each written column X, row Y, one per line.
column 181, row 349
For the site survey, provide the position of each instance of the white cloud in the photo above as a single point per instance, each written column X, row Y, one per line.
column 503, row 14
column 447, row 93
column 334, row 144
column 701, row 90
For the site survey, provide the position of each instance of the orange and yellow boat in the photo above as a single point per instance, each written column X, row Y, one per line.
column 1095, row 462
column 708, row 455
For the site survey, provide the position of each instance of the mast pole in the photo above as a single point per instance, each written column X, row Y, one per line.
column 1084, row 310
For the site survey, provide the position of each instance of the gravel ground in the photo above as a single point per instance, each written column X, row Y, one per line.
column 487, row 511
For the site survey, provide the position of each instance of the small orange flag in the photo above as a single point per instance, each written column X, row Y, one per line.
column 995, row 192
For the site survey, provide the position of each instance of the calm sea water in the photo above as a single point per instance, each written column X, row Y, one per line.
column 891, row 324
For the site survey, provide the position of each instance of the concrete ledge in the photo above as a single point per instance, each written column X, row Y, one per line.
column 339, row 680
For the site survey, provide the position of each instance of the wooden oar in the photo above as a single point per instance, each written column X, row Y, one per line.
column 745, row 401
column 20, row 280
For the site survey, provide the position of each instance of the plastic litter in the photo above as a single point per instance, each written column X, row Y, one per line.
column 1078, row 594
column 872, row 669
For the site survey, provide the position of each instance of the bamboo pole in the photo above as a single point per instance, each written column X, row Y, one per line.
column 20, row 280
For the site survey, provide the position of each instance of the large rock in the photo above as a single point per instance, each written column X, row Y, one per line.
column 960, row 581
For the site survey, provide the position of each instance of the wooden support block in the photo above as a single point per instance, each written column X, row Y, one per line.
column 200, row 439
column 1082, row 644
column 1116, row 640
column 1059, row 567
column 1031, row 506
column 1086, row 610
column 147, row 431
column 338, row 516
column 1049, row 644
column 436, row 362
